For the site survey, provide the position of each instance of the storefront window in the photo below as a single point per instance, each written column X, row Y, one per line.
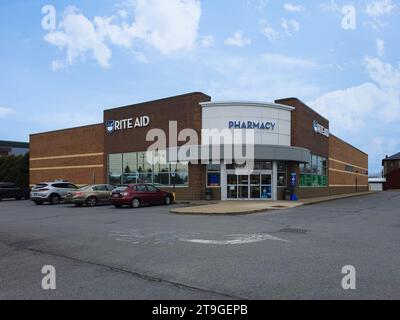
column 213, row 175
column 315, row 173
column 262, row 165
column 115, row 169
column 282, row 174
column 179, row 174
column 145, row 167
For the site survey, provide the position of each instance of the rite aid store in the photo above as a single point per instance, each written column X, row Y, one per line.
column 292, row 147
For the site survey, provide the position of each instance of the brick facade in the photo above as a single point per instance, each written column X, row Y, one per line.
column 76, row 155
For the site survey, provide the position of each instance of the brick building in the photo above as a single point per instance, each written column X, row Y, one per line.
column 391, row 171
column 8, row 148
column 291, row 145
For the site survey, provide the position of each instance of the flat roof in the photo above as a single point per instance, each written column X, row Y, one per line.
column 158, row 100
column 247, row 104
column 14, row 144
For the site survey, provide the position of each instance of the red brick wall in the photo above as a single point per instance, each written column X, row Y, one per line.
column 76, row 155
column 342, row 154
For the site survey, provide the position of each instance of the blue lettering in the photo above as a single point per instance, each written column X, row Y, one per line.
column 231, row 124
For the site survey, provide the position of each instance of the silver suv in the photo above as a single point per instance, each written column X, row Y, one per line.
column 52, row 192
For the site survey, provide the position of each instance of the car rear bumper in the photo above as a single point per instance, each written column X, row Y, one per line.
column 42, row 199
column 121, row 201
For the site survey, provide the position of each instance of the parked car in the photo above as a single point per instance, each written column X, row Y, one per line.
column 138, row 195
column 13, row 191
column 91, row 195
column 52, row 192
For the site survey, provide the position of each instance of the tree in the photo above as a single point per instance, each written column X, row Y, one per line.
column 15, row 169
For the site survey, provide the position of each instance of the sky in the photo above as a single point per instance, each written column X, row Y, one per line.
column 63, row 62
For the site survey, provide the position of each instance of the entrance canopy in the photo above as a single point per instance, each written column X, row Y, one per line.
column 205, row 153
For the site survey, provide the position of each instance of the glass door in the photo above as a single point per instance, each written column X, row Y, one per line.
column 254, row 186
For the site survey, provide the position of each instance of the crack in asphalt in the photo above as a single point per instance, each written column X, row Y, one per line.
column 143, row 276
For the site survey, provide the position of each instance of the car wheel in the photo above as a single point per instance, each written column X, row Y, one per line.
column 39, row 203
column 135, row 203
column 91, row 202
column 55, row 199
column 167, row 201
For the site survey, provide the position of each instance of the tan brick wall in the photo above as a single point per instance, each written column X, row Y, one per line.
column 342, row 154
column 76, row 155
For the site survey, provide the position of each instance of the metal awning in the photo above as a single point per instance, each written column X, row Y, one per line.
column 205, row 153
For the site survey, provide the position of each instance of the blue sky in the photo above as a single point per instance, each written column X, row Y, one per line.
column 105, row 53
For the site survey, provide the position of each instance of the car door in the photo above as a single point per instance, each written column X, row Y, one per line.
column 14, row 191
column 103, row 193
column 154, row 195
column 64, row 188
column 142, row 194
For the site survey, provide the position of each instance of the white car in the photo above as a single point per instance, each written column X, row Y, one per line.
column 52, row 192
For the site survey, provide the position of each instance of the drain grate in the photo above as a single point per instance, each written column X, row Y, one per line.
column 293, row 230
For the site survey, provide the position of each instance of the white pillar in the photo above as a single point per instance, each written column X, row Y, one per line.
column 275, row 181
column 224, row 182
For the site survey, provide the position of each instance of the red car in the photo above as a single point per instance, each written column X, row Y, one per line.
column 138, row 195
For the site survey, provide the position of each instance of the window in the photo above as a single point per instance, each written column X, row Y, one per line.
column 314, row 174
column 141, row 188
column 179, row 174
column 152, row 189
column 146, row 167
column 282, row 174
column 115, row 168
column 213, row 175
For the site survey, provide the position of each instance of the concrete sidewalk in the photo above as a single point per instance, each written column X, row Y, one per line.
column 249, row 207
column 236, row 207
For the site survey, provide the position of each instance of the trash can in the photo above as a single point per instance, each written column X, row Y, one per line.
column 287, row 194
column 209, row 194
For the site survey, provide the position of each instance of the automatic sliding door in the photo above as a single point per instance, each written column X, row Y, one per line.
column 255, row 186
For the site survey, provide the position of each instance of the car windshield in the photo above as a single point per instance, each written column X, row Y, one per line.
column 84, row 188
column 120, row 189
column 39, row 186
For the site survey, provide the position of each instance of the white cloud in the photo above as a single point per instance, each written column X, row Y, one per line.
column 290, row 26
column 263, row 77
column 166, row 26
column 367, row 111
column 79, row 37
column 293, row 8
column 332, row 6
column 238, row 40
column 351, row 109
column 283, row 60
column 57, row 65
column 380, row 8
column 207, row 41
column 380, row 47
column 5, row 112
column 270, row 33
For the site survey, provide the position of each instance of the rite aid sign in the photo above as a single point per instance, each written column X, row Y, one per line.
column 126, row 124
column 320, row 129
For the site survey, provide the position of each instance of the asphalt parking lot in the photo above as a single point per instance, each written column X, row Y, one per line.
column 148, row 253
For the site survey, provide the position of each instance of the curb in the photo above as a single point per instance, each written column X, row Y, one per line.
column 242, row 213
column 338, row 198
